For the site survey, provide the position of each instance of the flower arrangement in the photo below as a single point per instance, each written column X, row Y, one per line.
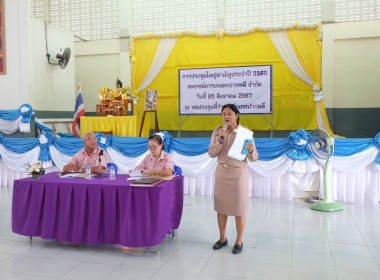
column 121, row 93
column 36, row 169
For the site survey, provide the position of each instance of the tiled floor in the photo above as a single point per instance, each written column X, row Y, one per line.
column 283, row 240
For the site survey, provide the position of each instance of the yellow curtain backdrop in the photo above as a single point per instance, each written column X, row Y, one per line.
column 307, row 47
column 140, row 67
column 293, row 105
column 126, row 126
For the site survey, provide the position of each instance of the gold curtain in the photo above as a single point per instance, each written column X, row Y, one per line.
column 293, row 104
column 143, row 58
column 307, row 47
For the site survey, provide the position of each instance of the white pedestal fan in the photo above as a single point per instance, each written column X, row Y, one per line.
column 322, row 145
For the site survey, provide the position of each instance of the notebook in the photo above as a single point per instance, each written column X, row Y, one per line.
column 146, row 182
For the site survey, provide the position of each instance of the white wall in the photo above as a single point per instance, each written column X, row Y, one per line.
column 350, row 64
column 97, row 65
column 14, row 85
column 52, row 88
column 29, row 78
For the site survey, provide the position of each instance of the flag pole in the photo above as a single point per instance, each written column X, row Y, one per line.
column 78, row 112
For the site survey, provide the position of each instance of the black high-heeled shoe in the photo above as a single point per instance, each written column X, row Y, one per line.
column 219, row 244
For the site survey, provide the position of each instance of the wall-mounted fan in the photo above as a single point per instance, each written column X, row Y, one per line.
column 322, row 145
column 62, row 59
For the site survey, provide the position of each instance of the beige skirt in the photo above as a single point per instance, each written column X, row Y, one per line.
column 231, row 191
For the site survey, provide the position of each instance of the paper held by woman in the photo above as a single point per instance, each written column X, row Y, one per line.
column 236, row 148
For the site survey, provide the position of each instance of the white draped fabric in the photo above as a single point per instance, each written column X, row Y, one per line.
column 164, row 49
column 286, row 186
column 355, row 178
column 9, row 127
column 282, row 165
column 8, row 175
column 59, row 158
column 362, row 185
column 354, row 162
column 24, row 127
column 16, row 161
column 285, row 49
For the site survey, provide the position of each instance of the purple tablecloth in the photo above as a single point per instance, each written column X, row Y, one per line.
column 96, row 211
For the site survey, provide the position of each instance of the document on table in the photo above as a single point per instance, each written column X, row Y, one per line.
column 70, row 175
column 135, row 175
column 237, row 147
column 74, row 175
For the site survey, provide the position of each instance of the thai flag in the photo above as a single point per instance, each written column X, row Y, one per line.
column 79, row 112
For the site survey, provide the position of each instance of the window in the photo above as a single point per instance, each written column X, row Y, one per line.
column 356, row 10
column 87, row 19
column 100, row 19
column 250, row 13
column 174, row 15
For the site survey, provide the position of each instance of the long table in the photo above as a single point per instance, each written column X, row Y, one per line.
column 97, row 211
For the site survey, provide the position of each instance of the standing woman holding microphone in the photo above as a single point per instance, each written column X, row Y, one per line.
column 231, row 187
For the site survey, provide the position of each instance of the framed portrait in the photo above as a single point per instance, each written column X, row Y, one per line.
column 151, row 100
column 2, row 39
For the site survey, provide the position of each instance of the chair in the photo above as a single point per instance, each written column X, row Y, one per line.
column 177, row 170
column 109, row 165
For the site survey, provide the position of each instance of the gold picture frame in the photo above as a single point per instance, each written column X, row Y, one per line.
column 2, row 39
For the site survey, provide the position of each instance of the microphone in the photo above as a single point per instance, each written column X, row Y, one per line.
column 221, row 141
column 100, row 166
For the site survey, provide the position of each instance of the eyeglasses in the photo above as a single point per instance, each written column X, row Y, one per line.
column 91, row 139
column 153, row 147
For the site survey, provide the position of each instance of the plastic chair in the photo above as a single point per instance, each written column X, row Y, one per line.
column 109, row 165
column 177, row 170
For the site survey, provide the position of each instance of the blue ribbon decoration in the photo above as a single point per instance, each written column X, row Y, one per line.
column 9, row 115
column 190, row 146
column 347, row 147
column 69, row 146
column 298, row 143
column 104, row 141
column 377, row 158
column 130, row 146
column 45, row 140
column 69, row 135
column 19, row 145
column 44, row 128
column 271, row 148
column 1, row 141
column 26, row 112
column 376, row 140
column 168, row 142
